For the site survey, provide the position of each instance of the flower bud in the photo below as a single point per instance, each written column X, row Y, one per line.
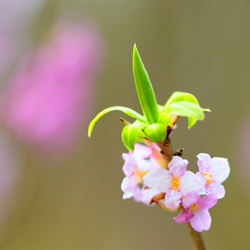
column 155, row 132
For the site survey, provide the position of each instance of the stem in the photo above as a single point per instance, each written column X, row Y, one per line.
column 167, row 151
column 197, row 238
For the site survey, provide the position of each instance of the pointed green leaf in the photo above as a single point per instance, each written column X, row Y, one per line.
column 129, row 134
column 178, row 96
column 192, row 111
column 144, row 89
column 127, row 111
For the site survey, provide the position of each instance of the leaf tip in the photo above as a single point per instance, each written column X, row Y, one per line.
column 90, row 130
column 207, row 110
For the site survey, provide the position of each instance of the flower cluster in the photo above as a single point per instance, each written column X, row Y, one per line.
column 149, row 181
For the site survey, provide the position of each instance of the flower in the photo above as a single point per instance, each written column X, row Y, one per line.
column 48, row 99
column 196, row 211
column 136, row 165
column 175, row 182
column 212, row 172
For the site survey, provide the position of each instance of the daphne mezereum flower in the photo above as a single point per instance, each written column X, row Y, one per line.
column 48, row 99
column 175, row 182
column 136, row 165
column 196, row 211
column 213, row 171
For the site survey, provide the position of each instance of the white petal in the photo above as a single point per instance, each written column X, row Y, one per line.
column 190, row 182
column 220, row 169
column 177, row 166
column 158, row 179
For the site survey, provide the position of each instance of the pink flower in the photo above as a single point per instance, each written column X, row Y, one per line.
column 48, row 100
column 196, row 211
column 136, row 165
column 175, row 182
column 213, row 171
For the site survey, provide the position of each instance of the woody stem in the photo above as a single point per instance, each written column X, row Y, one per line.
column 167, row 151
column 197, row 238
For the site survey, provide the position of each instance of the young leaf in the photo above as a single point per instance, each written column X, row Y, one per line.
column 192, row 111
column 156, row 132
column 129, row 134
column 178, row 96
column 144, row 89
column 127, row 111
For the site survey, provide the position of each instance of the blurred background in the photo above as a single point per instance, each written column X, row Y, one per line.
column 61, row 63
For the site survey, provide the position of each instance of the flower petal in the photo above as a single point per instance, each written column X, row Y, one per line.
column 128, row 187
column 129, row 167
column 219, row 191
column 158, row 179
column 184, row 217
column 141, row 151
column 146, row 195
column 208, row 201
column 201, row 220
column 190, row 182
column 190, row 200
column 220, row 169
column 173, row 199
column 204, row 162
column 177, row 166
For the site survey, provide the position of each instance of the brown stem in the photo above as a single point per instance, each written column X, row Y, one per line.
column 197, row 238
column 167, row 151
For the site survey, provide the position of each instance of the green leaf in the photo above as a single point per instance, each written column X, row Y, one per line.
column 178, row 96
column 156, row 132
column 130, row 133
column 144, row 89
column 192, row 111
column 127, row 111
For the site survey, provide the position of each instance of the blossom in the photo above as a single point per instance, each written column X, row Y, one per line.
column 175, row 182
column 196, row 211
column 136, row 165
column 213, row 171
column 48, row 99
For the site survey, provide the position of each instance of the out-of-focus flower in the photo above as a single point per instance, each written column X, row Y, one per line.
column 196, row 211
column 175, row 182
column 47, row 101
column 136, row 165
column 213, row 171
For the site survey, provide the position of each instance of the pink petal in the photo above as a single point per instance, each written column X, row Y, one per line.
column 184, row 217
column 219, row 191
column 149, row 164
column 147, row 195
column 220, row 169
column 208, row 201
column 204, row 162
column 190, row 182
column 201, row 220
column 158, row 179
column 129, row 187
column 177, row 166
column 126, row 157
column 141, row 151
column 173, row 199
column 190, row 200
column 129, row 167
